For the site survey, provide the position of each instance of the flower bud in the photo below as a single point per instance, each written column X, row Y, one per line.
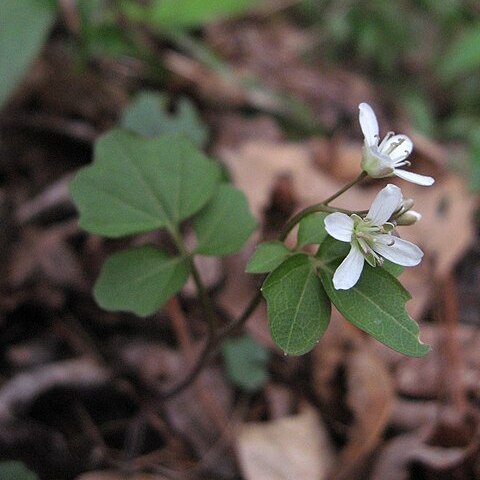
column 407, row 204
column 408, row 218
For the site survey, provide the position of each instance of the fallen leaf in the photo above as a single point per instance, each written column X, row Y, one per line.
column 446, row 229
column 295, row 447
column 447, row 448
column 370, row 397
column 46, row 253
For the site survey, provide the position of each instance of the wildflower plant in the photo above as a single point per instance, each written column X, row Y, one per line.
column 139, row 183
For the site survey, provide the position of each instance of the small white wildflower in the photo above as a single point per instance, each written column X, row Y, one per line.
column 370, row 238
column 385, row 159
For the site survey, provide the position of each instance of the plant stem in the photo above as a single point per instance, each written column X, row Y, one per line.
column 345, row 188
column 321, row 207
column 207, row 307
column 215, row 337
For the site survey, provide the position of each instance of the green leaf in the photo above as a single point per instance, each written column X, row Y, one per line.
column 225, row 224
column 311, row 230
column 16, row 471
column 392, row 268
column 184, row 13
column 140, row 280
column 376, row 304
column 463, row 56
column 267, row 257
column 148, row 115
column 138, row 185
column 24, row 27
column 246, row 362
column 298, row 307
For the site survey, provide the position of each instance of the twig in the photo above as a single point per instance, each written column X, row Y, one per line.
column 452, row 371
column 74, row 129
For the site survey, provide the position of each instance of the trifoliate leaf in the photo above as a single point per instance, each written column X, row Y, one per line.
column 140, row 280
column 225, row 224
column 24, row 23
column 246, row 362
column 376, row 304
column 298, row 307
column 137, row 185
column 267, row 257
column 311, row 230
column 148, row 115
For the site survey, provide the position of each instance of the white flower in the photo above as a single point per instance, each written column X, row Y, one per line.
column 385, row 159
column 370, row 238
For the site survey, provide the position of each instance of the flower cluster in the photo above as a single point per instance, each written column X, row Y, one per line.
column 373, row 237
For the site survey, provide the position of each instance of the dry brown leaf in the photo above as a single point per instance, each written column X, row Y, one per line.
column 237, row 293
column 47, row 254
column 338, row 157
column 421, row 377
column 233, row 129
column 256, row 167
column 447, row 448
column 295, row 447
column 446, row 229
column 370, row 397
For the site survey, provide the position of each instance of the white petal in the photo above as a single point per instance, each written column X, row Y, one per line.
column 339, row 226
column 386, row 202
column 414, row 177
column 349, row 271
column 402, row 151
column 368, row 123
column 401, row 252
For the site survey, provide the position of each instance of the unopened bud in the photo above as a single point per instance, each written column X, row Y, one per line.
column 408, row 218
column 407, row 204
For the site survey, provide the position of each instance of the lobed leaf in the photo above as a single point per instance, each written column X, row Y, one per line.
column 148, row 115
column 140, row 280
column 298, row 307
column 137, row 185
column 246, row 362
column 225, row 224
column 376, row 304
column 267, row 257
